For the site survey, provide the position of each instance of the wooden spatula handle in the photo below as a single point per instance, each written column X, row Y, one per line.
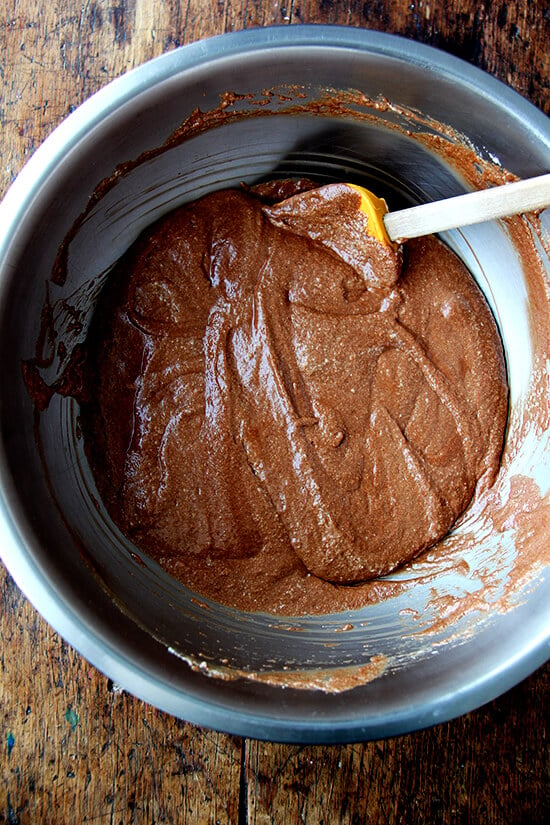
column 474, row 207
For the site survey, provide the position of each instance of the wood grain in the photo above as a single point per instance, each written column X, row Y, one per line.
column 475, row 769
column 76, row 749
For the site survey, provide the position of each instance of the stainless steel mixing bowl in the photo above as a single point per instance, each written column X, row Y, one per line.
column 204, row 662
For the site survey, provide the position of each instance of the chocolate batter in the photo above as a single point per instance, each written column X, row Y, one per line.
column 278, row 398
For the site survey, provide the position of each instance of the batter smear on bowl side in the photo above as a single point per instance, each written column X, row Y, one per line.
column 281, row 405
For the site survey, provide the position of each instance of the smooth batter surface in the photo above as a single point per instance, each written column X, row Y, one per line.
column 280, row 403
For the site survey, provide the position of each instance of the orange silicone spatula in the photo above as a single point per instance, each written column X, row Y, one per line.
column 451, row 213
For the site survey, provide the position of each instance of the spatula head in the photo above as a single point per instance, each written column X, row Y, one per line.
column 374, row 208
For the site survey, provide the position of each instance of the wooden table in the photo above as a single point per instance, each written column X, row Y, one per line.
column 73, row 747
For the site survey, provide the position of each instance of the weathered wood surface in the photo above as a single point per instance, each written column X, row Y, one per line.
column 74, row 749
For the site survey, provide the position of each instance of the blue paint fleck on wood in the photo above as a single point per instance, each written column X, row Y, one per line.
column 10, row 742
column 71, row 716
